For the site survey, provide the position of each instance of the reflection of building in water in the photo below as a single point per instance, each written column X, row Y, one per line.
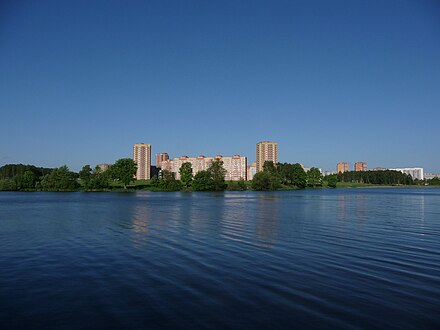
column 139, row 219
column 414, row 207
column 342, row 207
column 267, row 220
column 361, row 208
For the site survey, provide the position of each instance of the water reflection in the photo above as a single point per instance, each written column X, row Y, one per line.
column 266, row 227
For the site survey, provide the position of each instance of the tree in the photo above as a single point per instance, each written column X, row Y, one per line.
column 203, row 181
column 237, row 185
column 99, row 179
column 269, row 167
column 85, row 175
column 434, row 181
column 123, row 170
column 186, row 175
column 8, row 185
column 217, row 173
column 298, row 176
column 28, row 180
column 264, row 181
column 332, row 181
column 60, row 179
column 168, row 182
column 314, row 177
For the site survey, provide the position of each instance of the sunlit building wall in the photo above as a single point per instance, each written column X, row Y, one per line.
column 142, row 158
column 266, row 151
column 360, row 166
column 342, row 167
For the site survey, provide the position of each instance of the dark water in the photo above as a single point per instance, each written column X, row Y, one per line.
column 359, row 258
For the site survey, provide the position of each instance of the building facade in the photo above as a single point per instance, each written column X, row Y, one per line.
column 142, row 158
column 360, row 166
column 103, row 167
column 251, row 170
column 266, row 151
column 163, row 156
column 415, row 172
column 235, row 166
column 342, row 167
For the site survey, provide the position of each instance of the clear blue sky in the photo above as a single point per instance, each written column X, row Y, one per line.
column 82, row 81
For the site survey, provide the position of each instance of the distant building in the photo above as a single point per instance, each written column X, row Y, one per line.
column 251, row 170
column 142, row 157
column 415, row 172
column 342, row 167
column 325, row 173
column 379, row 169
column 360, row 166
column 306, row 169
column 103, row 167
column 166, row 165
column 235, row 166
column 429, row 176
column 266, row 151
column 163, row 156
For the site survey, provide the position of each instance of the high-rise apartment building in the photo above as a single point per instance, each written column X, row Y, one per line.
column 266, row 151
column 163, row 156
column 342, row 167
column 142, row 157
column 360, row 166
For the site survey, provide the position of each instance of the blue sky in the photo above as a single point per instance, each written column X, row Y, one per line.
column 82, row 81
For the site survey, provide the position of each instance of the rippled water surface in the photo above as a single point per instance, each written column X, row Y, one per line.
column 343, row 258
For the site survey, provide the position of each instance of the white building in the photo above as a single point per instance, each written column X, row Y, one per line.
column 415, row 172
column 235, row 166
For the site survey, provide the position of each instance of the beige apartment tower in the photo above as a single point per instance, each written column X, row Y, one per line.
column 360, row 166
column 142, row 157
column 266, row 151
column 342, row 167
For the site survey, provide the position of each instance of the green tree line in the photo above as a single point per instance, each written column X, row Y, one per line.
column 19, row 177
column 386, row 177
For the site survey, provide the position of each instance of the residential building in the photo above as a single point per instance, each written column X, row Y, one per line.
column 379, row 169
column 235, row 166
column 251, row 170
column 163, row 156
column 142, row 157
column 103, row 167
column 415, row 172
column 342, row 167
column 266, row 151
column 167, row 165
column 360, row 166
column 429, row 176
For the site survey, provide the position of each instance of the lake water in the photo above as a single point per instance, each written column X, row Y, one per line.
column 342, row 258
